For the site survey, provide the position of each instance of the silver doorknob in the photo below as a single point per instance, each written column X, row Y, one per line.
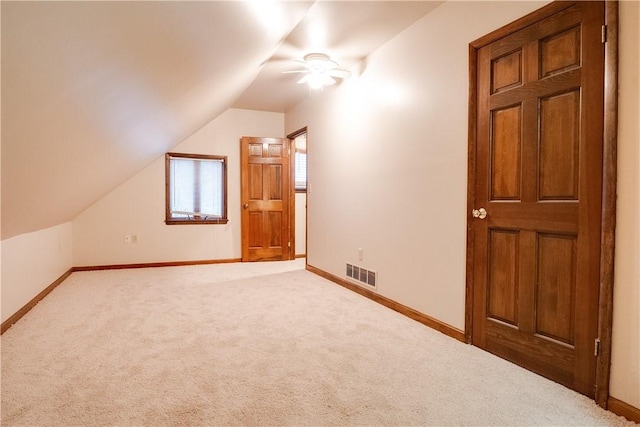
column 479, row 213
column 246, row 205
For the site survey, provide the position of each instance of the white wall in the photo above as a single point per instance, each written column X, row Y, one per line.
column 138, row 206
column 406, row 115
column 31, row 262
column 625, row 356
column 301, row 223
column 389, row 168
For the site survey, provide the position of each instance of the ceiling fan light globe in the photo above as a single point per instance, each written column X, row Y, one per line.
column 316, row 80
column 320, row 71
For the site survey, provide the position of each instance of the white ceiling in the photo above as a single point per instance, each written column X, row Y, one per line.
column 348, row 31
column 92, row 92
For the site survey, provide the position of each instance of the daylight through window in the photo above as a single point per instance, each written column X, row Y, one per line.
column 196, row 189
column 300, row 162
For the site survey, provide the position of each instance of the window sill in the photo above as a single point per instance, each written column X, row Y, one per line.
column 220, row 221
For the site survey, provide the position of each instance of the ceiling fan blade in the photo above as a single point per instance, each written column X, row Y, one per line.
column 328, row 81
column 341, row 74
column 295, row 71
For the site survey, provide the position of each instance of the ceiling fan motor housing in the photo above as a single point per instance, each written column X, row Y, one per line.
column 319, row 62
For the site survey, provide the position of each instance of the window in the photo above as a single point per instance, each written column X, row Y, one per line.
column 300, row 162
column 196, row 189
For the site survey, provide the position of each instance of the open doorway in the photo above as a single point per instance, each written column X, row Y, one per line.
column 299, row 162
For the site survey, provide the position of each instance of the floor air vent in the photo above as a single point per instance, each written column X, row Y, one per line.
column 362, row 275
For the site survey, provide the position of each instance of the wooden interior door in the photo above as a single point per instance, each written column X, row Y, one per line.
column 538, row 176
column 266, row 198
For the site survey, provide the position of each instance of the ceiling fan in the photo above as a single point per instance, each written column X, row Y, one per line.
column 319, row 70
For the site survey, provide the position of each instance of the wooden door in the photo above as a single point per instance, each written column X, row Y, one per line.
column 266, row 195
column 538, row 175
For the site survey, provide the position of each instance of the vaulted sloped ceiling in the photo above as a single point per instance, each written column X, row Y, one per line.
column 92, row 92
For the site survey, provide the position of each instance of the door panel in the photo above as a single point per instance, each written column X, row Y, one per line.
column 255, row 181
column 538, row 174
column 502, row 288
column 559, row 146
column 266, row 186
column 506, row 71
column 255, row 229
column 555, row 292
column 506, row 141
column 275, row 182
column 275, row 225
column 560, row 52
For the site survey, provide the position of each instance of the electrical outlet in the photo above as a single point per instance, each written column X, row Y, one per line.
column 134, row 238
column 127, row 238
column 360, row 254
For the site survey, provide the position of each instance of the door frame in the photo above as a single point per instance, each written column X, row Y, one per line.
column 292, row 136
column 609, row 178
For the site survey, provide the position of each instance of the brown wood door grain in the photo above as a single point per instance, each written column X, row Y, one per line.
column 538, row 175
column 266, row 196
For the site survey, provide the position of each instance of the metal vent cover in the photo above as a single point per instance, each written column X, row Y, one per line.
column 362, row 275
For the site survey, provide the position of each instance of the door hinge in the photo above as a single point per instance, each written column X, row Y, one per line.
column 596, row 347
column 604, row 34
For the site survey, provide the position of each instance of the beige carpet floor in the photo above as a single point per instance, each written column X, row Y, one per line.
column 261, row 344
